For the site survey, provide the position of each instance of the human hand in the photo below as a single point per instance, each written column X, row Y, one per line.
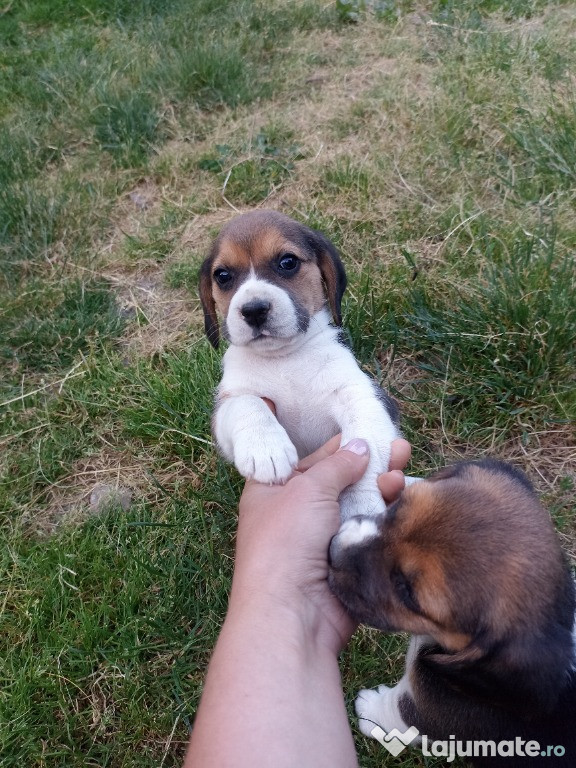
column 284, row 533
column 390, row 483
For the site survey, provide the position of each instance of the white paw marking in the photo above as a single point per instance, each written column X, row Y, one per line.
column 267, row 458
column 356, row 530
column 369, row 705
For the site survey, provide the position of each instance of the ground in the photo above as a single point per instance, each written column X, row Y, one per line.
column 433, row 142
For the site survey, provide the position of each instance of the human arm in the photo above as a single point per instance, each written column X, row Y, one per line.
column 273, row 694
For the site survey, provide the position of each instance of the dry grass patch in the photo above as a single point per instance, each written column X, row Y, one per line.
column 163, row 316
column 113, row 477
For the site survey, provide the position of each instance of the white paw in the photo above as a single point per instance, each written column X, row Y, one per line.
column 369, row 705
column 267, row 458
column 358, row 501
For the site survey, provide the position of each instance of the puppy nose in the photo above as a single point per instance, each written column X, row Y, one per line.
column 255, row 312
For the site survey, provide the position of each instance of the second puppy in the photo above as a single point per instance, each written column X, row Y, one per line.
column 468, row 562
column 277, row 285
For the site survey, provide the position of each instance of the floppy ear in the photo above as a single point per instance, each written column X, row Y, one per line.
column 208, row 304
column 332, row 271
column 524, row 675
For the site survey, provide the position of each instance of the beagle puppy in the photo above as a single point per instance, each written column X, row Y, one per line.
column 468, row 562
column 277, row 285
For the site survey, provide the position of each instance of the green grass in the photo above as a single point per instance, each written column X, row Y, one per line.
column 114, row 615
column 505, row 347
column 52, row 334
column 250, row 174
column 433, row 142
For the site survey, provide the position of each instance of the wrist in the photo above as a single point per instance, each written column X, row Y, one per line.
column 288, row 616
column 270, row 669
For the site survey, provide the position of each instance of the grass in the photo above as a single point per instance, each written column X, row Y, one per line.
column 40, row 341
column 432, row 141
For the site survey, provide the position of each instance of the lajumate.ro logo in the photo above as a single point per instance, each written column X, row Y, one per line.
column 396, row 742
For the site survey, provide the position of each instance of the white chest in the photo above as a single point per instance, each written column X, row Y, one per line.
column 302, row 387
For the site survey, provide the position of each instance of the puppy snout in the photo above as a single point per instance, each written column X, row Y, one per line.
column 255, row 312
column 352, row 532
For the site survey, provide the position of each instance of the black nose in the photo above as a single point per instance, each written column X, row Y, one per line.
column 255, row 312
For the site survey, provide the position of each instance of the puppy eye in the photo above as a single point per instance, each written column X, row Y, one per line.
column 404, row 591
column 288, row 263
column 223, row 277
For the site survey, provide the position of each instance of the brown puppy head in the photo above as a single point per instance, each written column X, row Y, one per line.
column 468, row 557
column 266, row 275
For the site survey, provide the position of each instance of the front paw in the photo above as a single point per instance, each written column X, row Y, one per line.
column 267, row 458
column 356, row 501
column 368, row 705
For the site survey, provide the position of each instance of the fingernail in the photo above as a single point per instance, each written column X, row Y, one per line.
column 357, row 446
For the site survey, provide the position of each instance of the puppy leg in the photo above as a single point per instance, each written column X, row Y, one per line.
column 383, row 706
column 380, row 707
column 361, row 414
column 249, row 435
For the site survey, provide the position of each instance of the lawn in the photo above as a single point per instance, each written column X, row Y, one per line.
column 433, row 142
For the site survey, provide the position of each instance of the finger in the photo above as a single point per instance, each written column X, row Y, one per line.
column 323, row 452
column 400, row 452
column 343, row 468
column 391, row 485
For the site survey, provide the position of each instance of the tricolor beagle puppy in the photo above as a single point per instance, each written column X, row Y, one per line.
column 278, row 284
column 468, row 561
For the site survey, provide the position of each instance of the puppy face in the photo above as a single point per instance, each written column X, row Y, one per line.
column 468, row 557
column 267, row 275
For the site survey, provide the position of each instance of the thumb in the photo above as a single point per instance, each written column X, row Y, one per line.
column 343, row 468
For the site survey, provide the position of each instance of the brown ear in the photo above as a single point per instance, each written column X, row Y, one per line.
column 332, row 271
column 208, row 304
column 520, row 674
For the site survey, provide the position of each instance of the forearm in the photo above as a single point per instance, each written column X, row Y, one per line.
column 273, row 696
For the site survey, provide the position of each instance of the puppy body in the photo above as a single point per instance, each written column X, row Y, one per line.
column 469, row 562
column 278, row 278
